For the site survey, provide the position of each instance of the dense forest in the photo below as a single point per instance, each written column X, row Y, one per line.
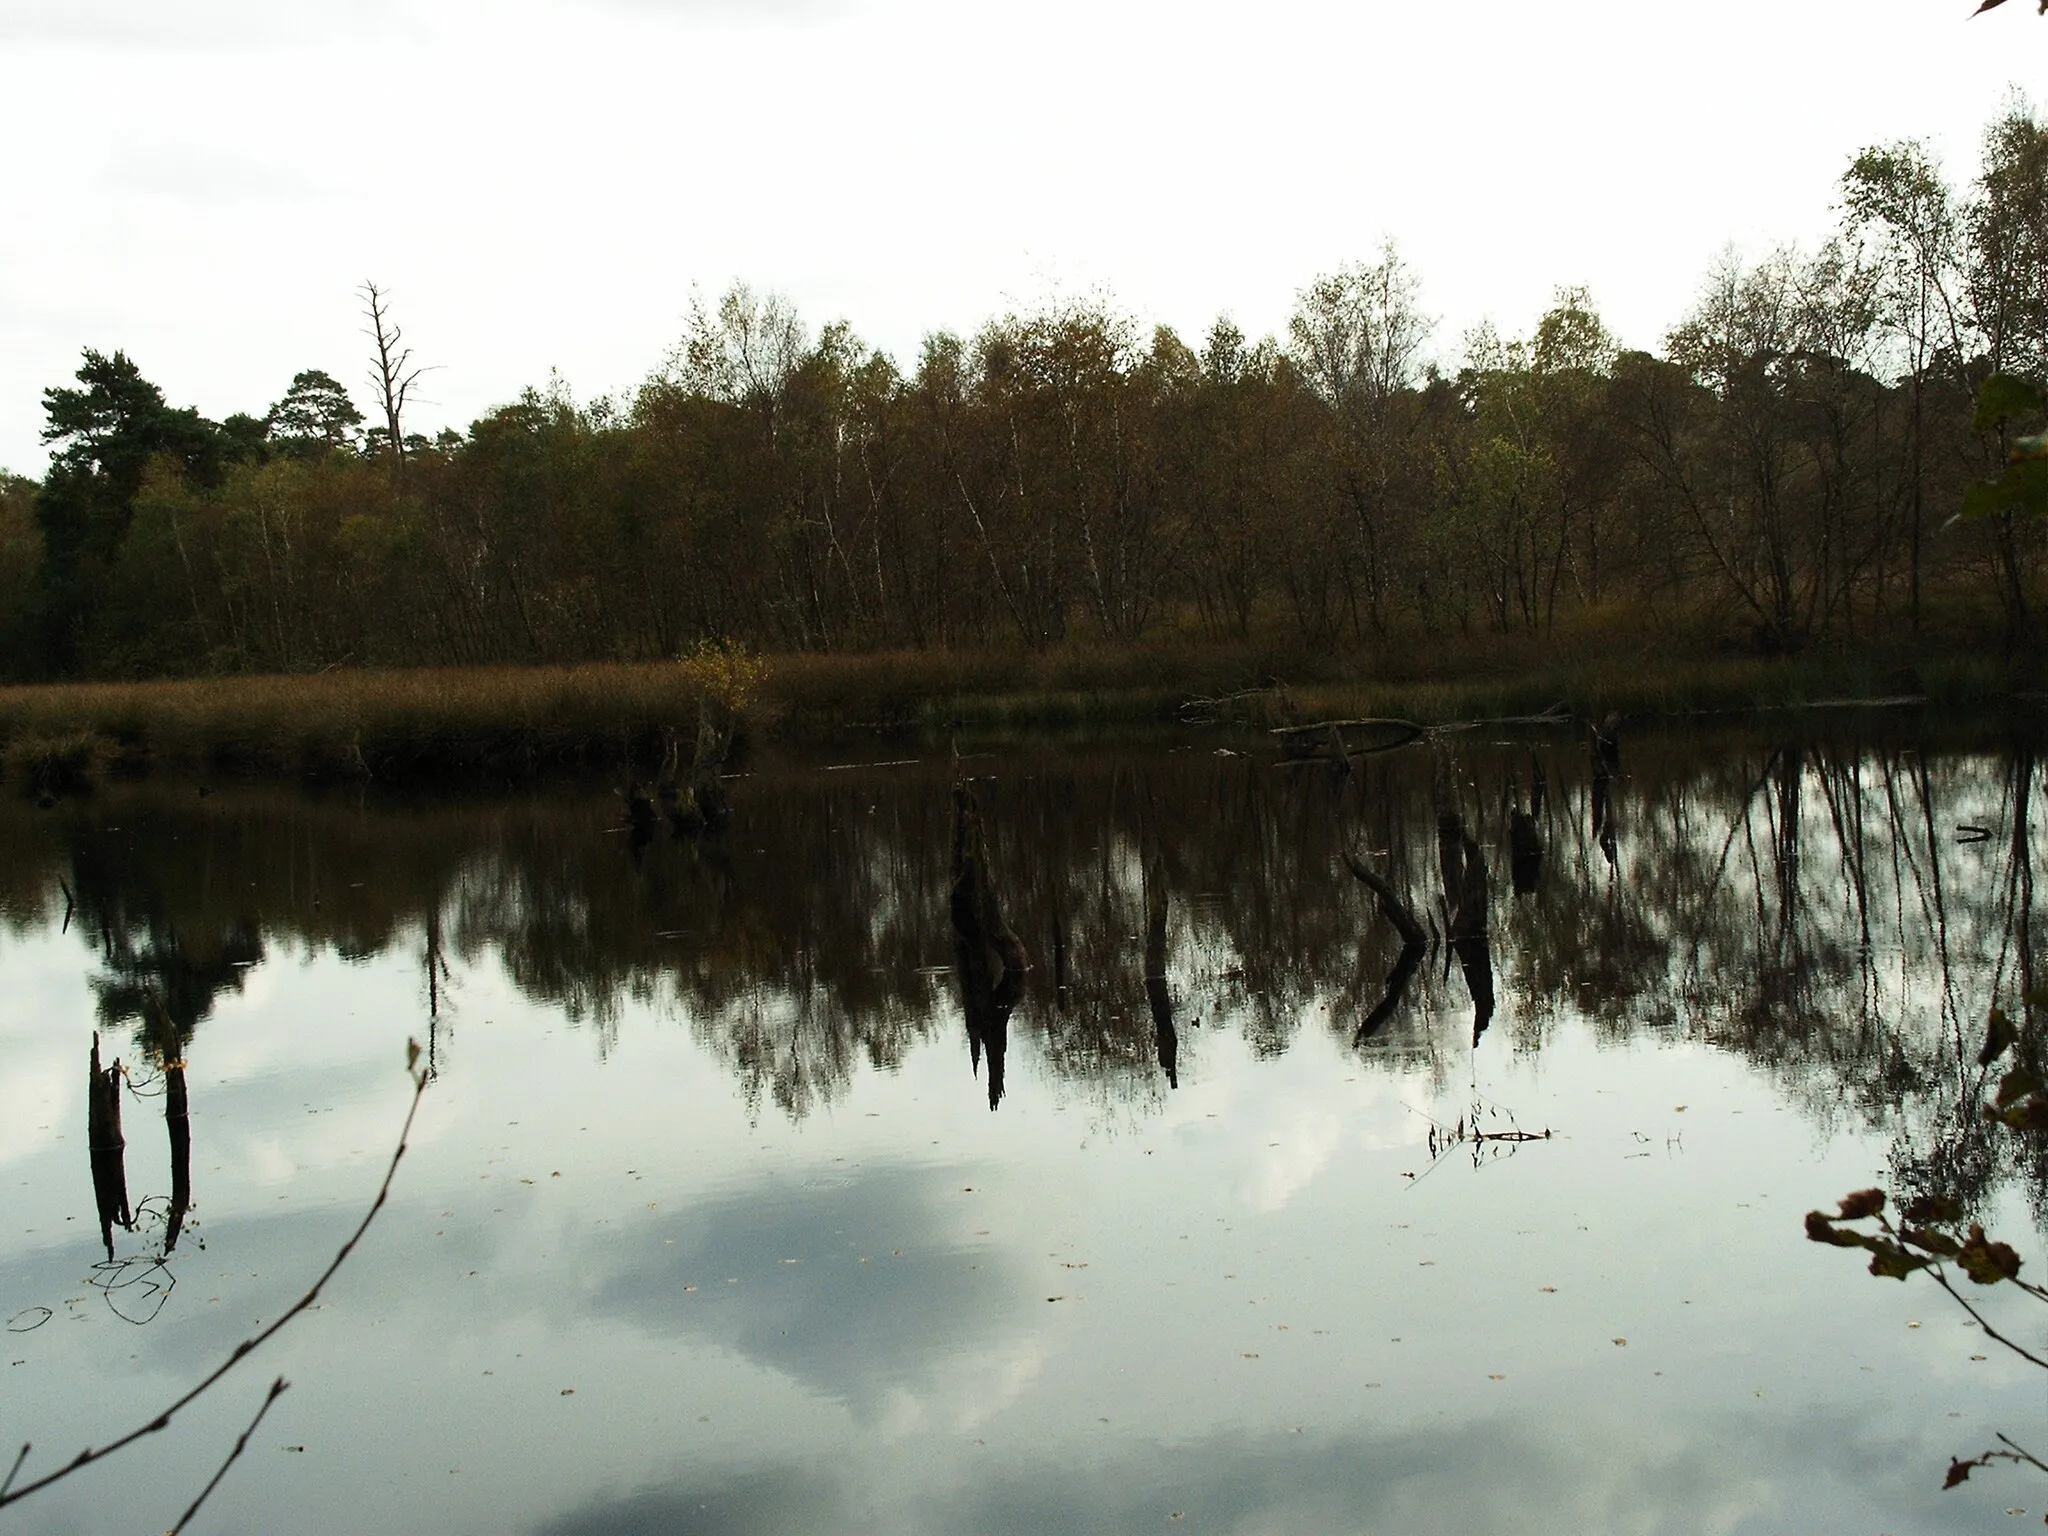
column 1787, row 471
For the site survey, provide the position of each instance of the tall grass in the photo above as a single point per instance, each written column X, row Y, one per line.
column 340, row 724
column 521, row 722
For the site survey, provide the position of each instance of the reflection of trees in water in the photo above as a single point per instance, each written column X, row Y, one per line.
column 164, row 965
column 31, row 863
column 1158, row 986
column 797, row 944
column 1806, row 905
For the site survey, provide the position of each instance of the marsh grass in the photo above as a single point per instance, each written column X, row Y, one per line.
column 1609, row 663
column 514, row 722
column 520, row 723
column 58, row 761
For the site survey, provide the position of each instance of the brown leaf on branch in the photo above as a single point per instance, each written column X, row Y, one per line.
column 1987, row 1261
column 1820, row 1228
column 1931, row 1240
column 1890, row 1261
column 1865, row 1202
column 1999, row 1036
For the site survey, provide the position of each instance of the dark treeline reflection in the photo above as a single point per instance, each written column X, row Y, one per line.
column 1819, row 906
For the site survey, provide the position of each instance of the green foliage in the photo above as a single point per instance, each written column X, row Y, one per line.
column 2023, row 486
column 21, row 559
column 104, row 438
column 243, row 439
column 2003, row 396
column 315, row 416
column 2021, row 489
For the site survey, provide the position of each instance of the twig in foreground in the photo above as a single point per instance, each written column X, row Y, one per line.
column 277, row 1390
column 162, row 1421
column 1959, row 1470
column 7, row 1482
column 1941, row 1279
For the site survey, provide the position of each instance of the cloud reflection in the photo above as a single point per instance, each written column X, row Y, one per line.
column 870, row 1293
column 1765, row 1475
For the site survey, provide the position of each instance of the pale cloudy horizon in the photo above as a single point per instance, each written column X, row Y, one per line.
column 542, row 185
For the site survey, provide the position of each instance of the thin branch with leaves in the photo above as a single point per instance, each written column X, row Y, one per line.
column 1930, row 1236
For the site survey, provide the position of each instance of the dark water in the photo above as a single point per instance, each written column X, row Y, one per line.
column 708, row 1224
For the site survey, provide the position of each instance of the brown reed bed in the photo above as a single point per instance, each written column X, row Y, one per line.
column 518, row 723
column 502, row 721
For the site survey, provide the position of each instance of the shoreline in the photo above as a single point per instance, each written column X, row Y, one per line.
column 522, row 724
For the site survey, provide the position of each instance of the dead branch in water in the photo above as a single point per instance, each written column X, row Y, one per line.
column 1399, row 913
column 1312, row 739
column 1308, row 741
column 1414, row 945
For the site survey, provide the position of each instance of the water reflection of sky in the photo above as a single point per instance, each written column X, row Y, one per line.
column 622, row 1293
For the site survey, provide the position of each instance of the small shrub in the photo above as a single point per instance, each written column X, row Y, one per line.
column 725, row 673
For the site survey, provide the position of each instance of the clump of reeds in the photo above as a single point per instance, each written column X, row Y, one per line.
column 50, row 764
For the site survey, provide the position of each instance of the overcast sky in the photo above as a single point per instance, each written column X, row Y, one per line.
column 540, row 183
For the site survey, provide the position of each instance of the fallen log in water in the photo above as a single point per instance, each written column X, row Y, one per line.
column 1324, row 738
column 1302, row 742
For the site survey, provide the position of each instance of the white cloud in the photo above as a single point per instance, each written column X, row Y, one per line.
column 189, row 26
column 541, row 181
column 744, row 12
column 204, row 174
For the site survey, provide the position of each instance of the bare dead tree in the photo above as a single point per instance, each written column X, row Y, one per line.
column 392, row 372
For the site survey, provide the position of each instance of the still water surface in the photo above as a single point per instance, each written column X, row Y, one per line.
column 719, row 1218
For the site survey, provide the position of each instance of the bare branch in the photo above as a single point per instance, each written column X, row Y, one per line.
column 2023, row 1453
column 7, row 1482
column 1942, row 1280
column 392, row 374
column 1397, row 909
column 277, row 1390
column 162, row 1421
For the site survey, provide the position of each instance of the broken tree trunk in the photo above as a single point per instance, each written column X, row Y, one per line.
column 1463, row 868
column 178, row 1122
column 1399, row 913
column 108, row 1148
column 1164, row 1036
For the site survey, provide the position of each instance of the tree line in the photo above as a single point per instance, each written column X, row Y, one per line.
column 1786, row 470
